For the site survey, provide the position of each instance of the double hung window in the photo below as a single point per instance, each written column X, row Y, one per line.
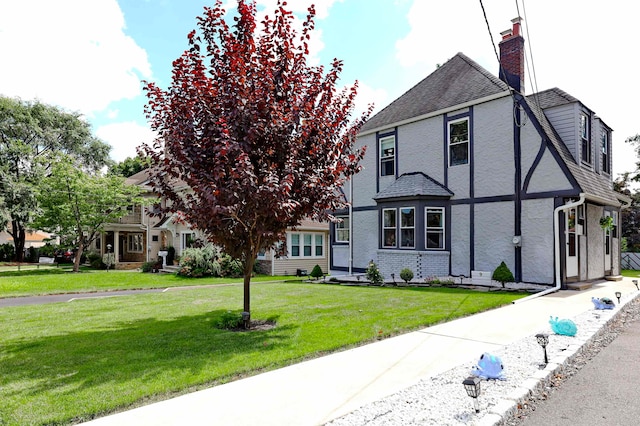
column 306, row 245
column 388, row 156
column 434, row 221
column 604, row 143
column 584, row 137
column 135, row 243
column 389, row 228
column 459, row 142
column 407, row 227
column 342, row 230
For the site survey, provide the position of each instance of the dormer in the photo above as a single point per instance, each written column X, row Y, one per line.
column 585, row 135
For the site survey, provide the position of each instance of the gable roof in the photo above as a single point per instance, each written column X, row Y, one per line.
column 457, row 81
column 411, row 185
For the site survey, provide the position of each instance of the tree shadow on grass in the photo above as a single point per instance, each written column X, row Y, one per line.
column 100, row 370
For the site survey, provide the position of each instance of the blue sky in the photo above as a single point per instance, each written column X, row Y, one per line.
column 91, row 55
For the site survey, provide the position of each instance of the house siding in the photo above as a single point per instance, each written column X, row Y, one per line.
column 548, row 176
column 289, row 266
column 418, row 148
column 460, row 231
column 563, row 119
column 538, row 242
column 366, row 228
column 493, row 148
column 423, row 264
column 365, row 181
column 493, row 236
column 340, row 257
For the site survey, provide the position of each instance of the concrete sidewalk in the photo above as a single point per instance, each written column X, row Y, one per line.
column 320, row 390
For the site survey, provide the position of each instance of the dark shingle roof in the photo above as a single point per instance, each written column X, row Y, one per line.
column 411, row 185
column 457, row 81
column 552, row 98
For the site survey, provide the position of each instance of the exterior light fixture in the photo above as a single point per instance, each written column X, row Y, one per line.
column 636, row 284
column 543, row 340
column 618, row 295
column 472, row 386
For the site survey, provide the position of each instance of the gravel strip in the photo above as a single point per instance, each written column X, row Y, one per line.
column 441, row 400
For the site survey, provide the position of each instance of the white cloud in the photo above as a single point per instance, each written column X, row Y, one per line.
column 72, row 53
column 124, row 137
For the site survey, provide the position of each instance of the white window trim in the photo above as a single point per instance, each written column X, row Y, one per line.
column 339, row 226
column 441, row 228
column 399, row 225
column 584, row 136
column 301, row 254
column 383, row 158
column 183, row 239
column 451, row 144
column 131, row 246
column 605, row 147
column 395, row 228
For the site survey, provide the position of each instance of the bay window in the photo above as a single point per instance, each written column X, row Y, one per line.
column 434, row 226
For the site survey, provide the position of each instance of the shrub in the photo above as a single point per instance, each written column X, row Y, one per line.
column 31, row 255
column 199, row 262
column 7, row 252
column 373, row 274
column 171, row 255
column 230, row 320
column 503, row 274
column 316, row 272
column 47, row 250
column 230, row 267
column 406, row 274
column 95, row 261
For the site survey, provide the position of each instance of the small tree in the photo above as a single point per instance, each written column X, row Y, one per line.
column 406, row 274
column 503, row 274
column 76, row 205
column 316, row 272
column 258, row 139
column 373, row 274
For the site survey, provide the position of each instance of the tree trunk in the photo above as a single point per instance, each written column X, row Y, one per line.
column 248, row 269
column 78, row 256
column 19, row 237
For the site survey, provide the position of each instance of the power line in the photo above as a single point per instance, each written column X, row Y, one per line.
column 534, row 81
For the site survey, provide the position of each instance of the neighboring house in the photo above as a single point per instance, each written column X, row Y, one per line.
column 464, row 171
column 32, row 238
column 138, row 237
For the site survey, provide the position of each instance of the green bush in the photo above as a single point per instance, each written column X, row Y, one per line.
column 47, row 250
column 230, row 267
column 503, row 274
column 406, row 274
column 316, row 272
column 7, row 252
column 373, row 274
column 230, row 320
column 199, row 262
column 95, row 260
column 151, row 266
column 31, row 255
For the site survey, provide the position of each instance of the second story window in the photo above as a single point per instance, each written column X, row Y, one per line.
column 459, row 142
column 342, row 230
column 584, row 137
column 604, row 146
column 388, row 156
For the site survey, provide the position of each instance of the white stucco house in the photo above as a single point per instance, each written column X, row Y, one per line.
column 465, row 171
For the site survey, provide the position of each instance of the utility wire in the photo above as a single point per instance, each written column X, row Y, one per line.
column 534, row 80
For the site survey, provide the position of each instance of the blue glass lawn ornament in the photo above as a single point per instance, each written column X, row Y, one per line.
column 564, row 326
column 489, row 367
column 603, row 303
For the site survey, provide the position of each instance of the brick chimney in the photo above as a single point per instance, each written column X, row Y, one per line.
column 512, row 56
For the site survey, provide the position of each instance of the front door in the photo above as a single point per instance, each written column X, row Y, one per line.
column 572, row 244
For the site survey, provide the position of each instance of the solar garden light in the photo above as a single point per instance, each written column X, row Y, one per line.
column 393, row 277
column 618, row 295
column 472, row 386
column 636, row 283
column 543, row 340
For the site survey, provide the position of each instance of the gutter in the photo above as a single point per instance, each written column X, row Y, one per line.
column 556, row 237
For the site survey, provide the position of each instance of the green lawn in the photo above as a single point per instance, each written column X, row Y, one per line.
column 66, row 362
column 630, row 273
column 52, row 280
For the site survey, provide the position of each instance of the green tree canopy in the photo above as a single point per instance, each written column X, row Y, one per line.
column 32, row 134
column 130, row 166
column 76, row 204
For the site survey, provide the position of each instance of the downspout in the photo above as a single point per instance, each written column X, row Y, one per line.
column 351, row 226
column 556, row 236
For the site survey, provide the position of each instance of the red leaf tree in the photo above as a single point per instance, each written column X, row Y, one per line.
column 257, row 138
